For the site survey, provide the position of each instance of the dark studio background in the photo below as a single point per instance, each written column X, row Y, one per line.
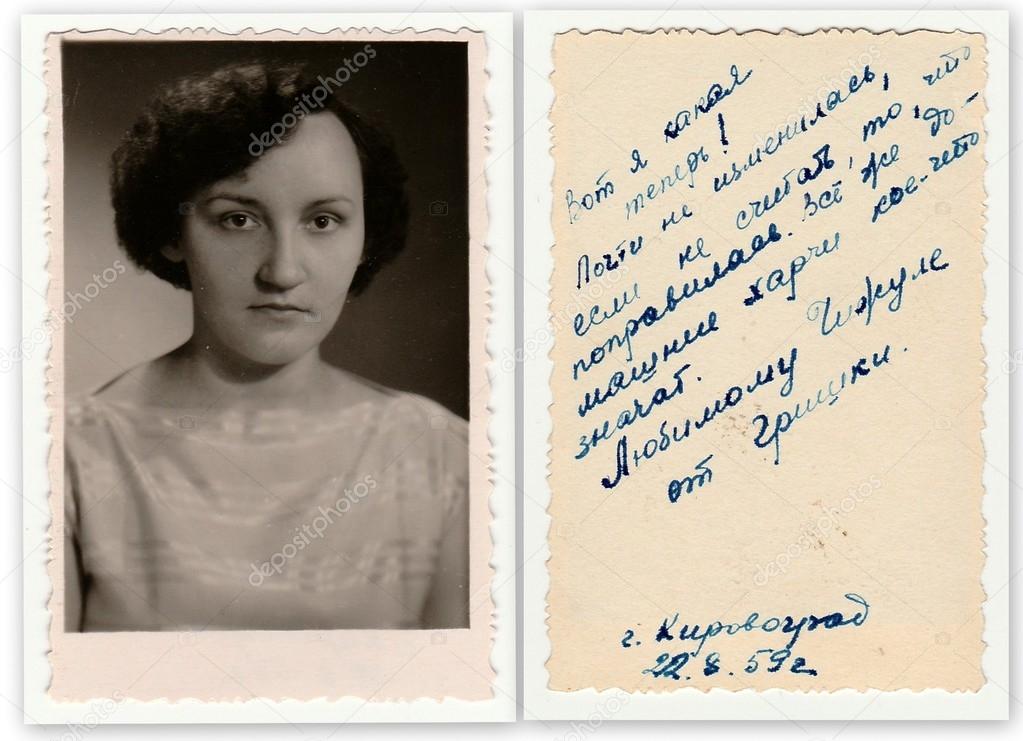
column 409, row 330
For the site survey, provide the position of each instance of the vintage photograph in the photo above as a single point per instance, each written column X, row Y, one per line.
column 271, row 445
column 266, row 321
column 268, row 445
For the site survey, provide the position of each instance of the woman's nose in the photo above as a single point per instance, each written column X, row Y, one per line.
column 283, row 267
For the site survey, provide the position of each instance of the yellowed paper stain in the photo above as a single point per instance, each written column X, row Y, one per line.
column 768, row 371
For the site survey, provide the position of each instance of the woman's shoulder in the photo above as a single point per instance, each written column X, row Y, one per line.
column 90, row 405
column 130, row 386
column 415, row 433
column 84, row 407
column 394, row 407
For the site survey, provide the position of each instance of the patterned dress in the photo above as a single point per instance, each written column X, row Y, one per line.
column 194, row 519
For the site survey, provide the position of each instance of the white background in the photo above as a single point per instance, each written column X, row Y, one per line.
column 599, row 724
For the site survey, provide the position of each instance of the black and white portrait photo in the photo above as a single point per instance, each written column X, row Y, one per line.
column 266, row 318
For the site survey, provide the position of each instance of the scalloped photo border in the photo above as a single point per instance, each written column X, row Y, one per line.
column 992, row 701
column 449, row 675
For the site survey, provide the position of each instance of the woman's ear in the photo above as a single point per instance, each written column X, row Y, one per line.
column 172, row 252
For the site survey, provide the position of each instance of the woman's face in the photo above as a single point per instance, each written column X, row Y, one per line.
column 271, row 252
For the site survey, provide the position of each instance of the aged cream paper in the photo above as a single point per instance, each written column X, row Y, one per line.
column 277, row 666
column 768, row 375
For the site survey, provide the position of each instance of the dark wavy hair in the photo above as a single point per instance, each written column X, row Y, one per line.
column 202, row 129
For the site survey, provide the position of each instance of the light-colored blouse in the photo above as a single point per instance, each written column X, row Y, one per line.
column 190, row 520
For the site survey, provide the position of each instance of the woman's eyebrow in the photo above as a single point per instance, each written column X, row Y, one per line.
column 330, row 199
column 233, row 197
column 248, row 201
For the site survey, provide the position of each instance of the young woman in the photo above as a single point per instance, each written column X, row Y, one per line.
column 239, row 481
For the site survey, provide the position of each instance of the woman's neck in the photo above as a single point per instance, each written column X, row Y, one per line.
column 199, row 375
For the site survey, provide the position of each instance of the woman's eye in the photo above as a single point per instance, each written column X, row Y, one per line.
column 324, row 223
column 237, row 221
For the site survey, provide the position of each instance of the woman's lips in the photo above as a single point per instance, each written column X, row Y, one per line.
column 280, row 311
